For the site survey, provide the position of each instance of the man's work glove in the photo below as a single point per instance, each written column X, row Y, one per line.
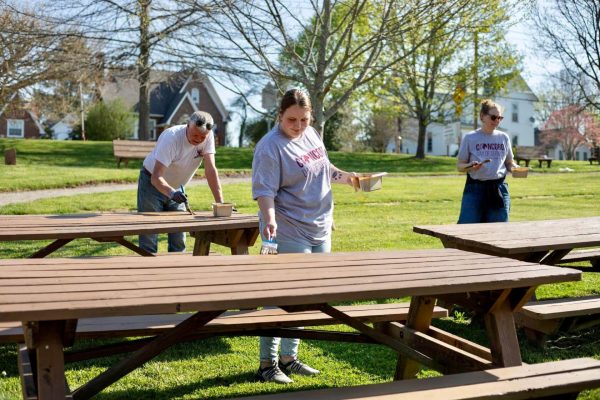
column 178, row 197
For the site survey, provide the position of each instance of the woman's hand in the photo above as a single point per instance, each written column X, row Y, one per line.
column 475, row 166
column 270, row 230
column 351, row 175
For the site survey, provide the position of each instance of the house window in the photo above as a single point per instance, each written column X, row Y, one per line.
column 515, row 140
column 152, row 128
column 16, row 128
column 561, row 155
column 515, row 112
column 429, row 143
column 585, row 156
column 577, row 155
column 196, row 96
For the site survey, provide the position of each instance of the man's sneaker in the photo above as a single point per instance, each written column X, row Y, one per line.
column 273, row 374
column 298, row 367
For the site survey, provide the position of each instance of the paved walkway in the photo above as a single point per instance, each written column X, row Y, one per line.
column 23, row 197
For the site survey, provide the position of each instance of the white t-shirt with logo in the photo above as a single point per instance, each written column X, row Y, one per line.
column 181, row 158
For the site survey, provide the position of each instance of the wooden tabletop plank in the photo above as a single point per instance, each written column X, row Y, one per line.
column 52, row 281
column 520, row 237
column 238, row 289
column 516, row 235
column 529, row 245
column 35, row 227
column 144, row 289
column 25, row 269
column 520, row 226
column 120, row 262
column 160, row 278
column 241, row 299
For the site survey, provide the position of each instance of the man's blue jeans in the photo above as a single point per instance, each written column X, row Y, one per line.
column 289, row 346
column 475, row 209
column 149, row 199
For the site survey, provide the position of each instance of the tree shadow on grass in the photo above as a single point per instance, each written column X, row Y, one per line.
column 178, row 352
column 230, row 382
column 8, row 359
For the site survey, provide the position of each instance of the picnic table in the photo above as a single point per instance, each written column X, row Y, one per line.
column 545, row 241
column 238, row 232
column 49, row 295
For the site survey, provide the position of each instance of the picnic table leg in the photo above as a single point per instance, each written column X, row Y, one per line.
column 238, row 240
column 46, row 338
column 554, row 257
column 51, row 248
column 247, row 239
column 500, row 326
column 202, row 243
column 419, row 318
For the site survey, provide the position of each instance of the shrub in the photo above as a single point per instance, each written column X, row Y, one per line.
column 110, row 120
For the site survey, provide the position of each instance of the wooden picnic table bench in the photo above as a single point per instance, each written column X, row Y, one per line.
column 265, row 322
column 529, row 153
column 49, row 296
column 591, row 255
column 547, row 317
column 550, row 380
column 125, row 150
column 238, row 232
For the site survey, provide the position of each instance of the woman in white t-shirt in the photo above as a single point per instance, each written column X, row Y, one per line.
column 486, row 155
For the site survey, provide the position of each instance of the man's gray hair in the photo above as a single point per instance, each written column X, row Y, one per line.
column 203, row 116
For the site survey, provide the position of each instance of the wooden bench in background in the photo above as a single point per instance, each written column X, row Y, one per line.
column 594, row 155
column 591, row 255
column 529, row 153
column 547, row 317
column 551, row 380
column 266, row 322
column 126, row 150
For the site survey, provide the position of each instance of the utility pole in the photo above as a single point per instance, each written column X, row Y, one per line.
column 82, row 111
column 475, row 79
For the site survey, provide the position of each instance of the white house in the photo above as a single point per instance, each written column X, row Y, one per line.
column 63, row 128
column 443, row 138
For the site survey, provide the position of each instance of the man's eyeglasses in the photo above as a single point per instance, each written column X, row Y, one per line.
column 201, row 123
column 496, row 117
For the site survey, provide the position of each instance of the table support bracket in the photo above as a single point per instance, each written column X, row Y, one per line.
column 555, row 256
column 51, row 248
column 374, row 334
column 125, row 243
column 144, row 354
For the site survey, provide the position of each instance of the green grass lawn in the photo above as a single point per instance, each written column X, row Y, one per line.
column 224, row 367
column 47, row 164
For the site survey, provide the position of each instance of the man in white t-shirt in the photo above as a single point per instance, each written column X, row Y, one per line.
column 177, row 155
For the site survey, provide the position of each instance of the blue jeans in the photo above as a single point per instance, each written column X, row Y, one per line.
column 289, row 346
column 149, row 199
column 475, row 208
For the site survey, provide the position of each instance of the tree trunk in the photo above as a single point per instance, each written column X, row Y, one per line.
column 421, row 140
column 242, row 129
column 144, row 71
column 319, row 115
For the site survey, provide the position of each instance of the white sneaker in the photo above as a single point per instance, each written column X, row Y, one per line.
column 273, row 374
column 298, row 367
